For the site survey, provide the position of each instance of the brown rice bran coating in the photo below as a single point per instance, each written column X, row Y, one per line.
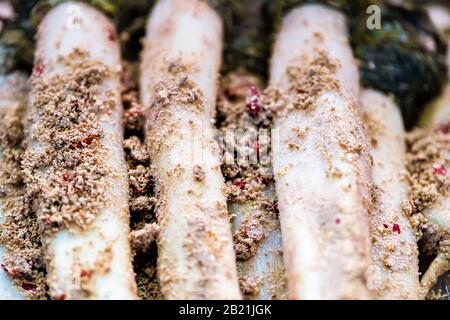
column 67, row 172
column 23, row 260
column 142, row 201
column 427, row 164
column 241, row 111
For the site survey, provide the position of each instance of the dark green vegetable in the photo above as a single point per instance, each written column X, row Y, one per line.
column 17, row 37
column 16, row 50
column 246, row 35
column 422, row 2
column 406, row 57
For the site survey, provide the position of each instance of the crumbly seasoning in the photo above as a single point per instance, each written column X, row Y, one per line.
column 306, row 83
column 240, row 102
column 178, row 90
column 257, row 243
column 252, row 231
column 142, row 238
column 249, row 171
column 249, row 287
column 64, row 163
column 142, row 200
column 136, row 150
column 199, row 174
column 134, row 117
column 140, row 179
column 373, row 128
column 248, row 174
column 243, row 112
column 427, row 162
column 24, row 257
column 23, row 260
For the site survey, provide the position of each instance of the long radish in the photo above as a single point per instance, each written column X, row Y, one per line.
column 13, row 92
column 74, row 163
column 178, row 82
column 428, row 162
column 245, row 143
column 321, row 160
column 439, row 110
column 395, row 274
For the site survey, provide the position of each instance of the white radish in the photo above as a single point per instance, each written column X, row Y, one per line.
column 13, row 93
column 93, row 262
column 437, row 118
column 439, row 110
column 179, row 70
column 256, row 227
column 395, row 274
column 321, row 161
column 262, row 273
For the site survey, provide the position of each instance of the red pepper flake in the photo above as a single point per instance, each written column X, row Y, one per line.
column 275, row 206
column 111, row 33
column 253, row 102
column 444, row 127
column 442, row 171
column 256, row 147
column 85, row 274
column 75, row 145
column 338, row 220
column 385, row 225
column 11, row 272
column 126, row 81
column 139, row 191
column 241, row 184
column 134, row 113
column 260, row 180
column 38, row 69
column 62, row 296
column 87, row 141
column 66, row 176
column 76, row 87
column 28, row 286
column 48, row 220
column 413, row 206
column 396, row 228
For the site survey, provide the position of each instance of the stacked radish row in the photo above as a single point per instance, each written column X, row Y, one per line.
column 338, row 162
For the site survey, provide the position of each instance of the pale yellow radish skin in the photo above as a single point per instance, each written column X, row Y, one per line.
column 76, row 26
column 395, row 273
column 322, row 186
column 196, row 259
column 13, row 92
column 437, row 114
column 266, row 267
column 439, row 110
